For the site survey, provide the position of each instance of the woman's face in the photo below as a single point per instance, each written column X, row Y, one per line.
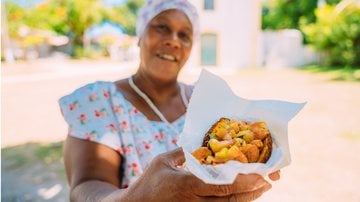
column 166, row 44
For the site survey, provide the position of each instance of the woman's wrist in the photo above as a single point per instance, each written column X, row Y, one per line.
column 119, row 195
column 94, row 190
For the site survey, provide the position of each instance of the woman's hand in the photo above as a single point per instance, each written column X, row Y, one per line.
column 165, row 181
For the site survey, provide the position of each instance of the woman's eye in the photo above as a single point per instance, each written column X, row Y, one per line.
column 184, row 36
column 161, row 28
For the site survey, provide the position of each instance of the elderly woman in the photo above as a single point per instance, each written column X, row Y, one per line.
column 122, row 142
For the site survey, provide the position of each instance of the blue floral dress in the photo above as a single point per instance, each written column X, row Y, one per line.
column 99, row 112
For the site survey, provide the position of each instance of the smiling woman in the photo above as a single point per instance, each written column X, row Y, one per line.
column 166, row 45
column 122, row 142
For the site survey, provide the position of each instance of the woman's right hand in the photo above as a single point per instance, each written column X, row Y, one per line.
column 164, row 180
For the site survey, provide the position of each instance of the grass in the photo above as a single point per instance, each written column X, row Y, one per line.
column 351, row 74
column 49, row 153
column 26, row 155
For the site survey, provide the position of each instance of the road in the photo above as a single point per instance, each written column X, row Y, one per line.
column 324, row 137
column 30, row 93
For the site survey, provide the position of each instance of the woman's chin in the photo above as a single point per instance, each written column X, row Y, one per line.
column 166, row 73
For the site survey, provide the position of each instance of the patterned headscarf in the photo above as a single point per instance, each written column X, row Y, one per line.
column 152, row 8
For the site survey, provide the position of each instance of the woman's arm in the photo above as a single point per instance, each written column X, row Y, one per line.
column 165, row 181
column 92, row 169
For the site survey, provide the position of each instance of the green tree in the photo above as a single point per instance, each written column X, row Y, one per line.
column 332, row 2
column 65, row 17
column 81, row 14
column 71, row 17
column 16, row 18
column 336, row 34
column 126, row 15
column 282, row 14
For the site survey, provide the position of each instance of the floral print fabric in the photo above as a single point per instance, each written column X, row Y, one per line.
column 99, row 112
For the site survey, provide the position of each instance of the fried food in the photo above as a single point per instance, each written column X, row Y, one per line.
column 230, row 139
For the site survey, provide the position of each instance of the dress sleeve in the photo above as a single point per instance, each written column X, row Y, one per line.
column 89, row 114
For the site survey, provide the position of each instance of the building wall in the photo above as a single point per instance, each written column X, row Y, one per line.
column 236, row 25
column 284, row 48
column 241, row 42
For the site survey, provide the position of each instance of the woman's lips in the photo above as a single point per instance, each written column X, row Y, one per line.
column 168, row 57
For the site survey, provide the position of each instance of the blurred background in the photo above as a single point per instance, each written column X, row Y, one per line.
column 294, row 50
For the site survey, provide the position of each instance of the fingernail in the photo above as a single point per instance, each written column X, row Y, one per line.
column 267, row 186
column 261, row 183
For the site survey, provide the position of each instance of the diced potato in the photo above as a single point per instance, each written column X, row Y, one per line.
column 244, row 132
column 210, row 160
column 251, row 152
column 234, row 152
column 258, row 143
column 222, row 154
column 248, row 137
column 233, row 133
column 219, row 160
column 242, row 158
column 243, row 126
column 238, row 141
column 260, row 130
column 201, row 153
column 234, row 125
column 221, row 133
column 216, row 145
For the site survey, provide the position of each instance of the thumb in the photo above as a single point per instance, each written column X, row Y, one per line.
column 175, row 157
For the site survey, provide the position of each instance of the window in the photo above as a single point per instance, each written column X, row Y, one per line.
column 208, row 49
column 208, row 4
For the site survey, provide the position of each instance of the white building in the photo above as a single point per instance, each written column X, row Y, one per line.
column 231, row 37
column 229, row 34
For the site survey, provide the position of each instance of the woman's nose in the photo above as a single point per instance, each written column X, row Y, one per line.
column 173, row 41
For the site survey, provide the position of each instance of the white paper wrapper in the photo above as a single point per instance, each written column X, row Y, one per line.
column 212, row 99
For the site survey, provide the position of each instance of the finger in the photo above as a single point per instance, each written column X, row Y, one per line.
column 249, row 182
column 175, row 157
column 250, row 196
column 243, row 183
column 243, row 197
column 275, row 175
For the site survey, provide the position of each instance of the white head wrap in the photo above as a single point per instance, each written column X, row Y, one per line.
column 152, row 8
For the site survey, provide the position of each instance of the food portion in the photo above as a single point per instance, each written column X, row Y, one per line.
column 230, row 139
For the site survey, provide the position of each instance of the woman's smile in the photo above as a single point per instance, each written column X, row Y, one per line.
column 167, row 57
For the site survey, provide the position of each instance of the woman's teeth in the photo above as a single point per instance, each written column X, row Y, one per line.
column 167, row 57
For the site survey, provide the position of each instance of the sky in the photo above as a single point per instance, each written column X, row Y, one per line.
column 29, row 3
column 25, row 3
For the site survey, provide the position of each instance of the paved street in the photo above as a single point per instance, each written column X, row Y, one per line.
column 30, row 92
column 324, row 137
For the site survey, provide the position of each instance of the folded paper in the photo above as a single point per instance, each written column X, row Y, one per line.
column 212, row 99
